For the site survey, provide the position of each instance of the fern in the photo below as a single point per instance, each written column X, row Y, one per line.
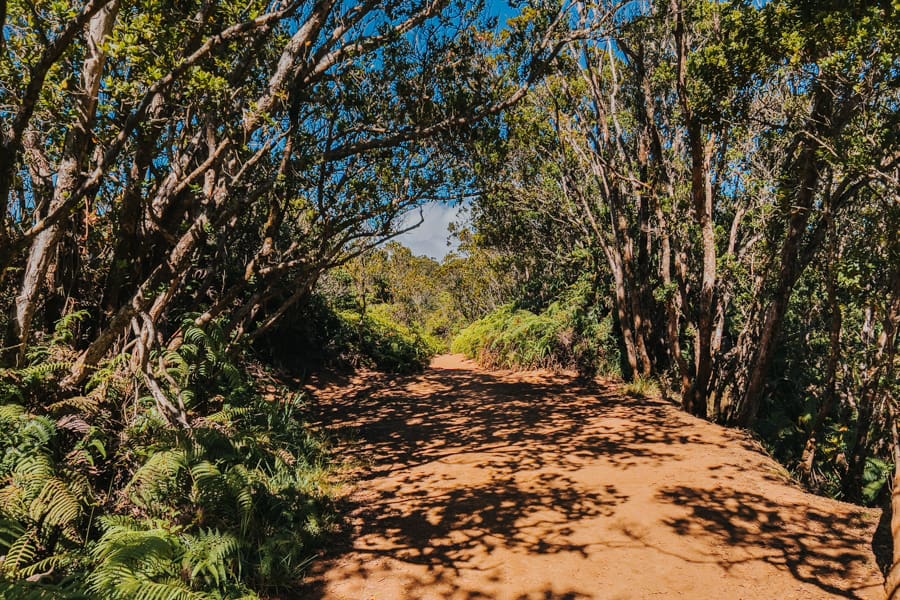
column 43, row 371
column 21, row 552
column 23, row 590
column 103, row 500
column 210, row 555
column 81, row 404
column 64, row 332
column 11, row 412
column 138, row 589
column 157, row 477
column 55, row 505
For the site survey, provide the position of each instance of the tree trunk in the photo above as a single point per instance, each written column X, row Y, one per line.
column 701, row 193
column 68, row 177
column 629, row 296
column 892, row 581
column 174, row 268
column 834, row 357
column 625, row 322
column 695, row 399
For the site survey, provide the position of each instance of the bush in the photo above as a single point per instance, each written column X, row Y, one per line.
column 568, row 334
column 101, row 498
column 386, row 345
column 324, row 336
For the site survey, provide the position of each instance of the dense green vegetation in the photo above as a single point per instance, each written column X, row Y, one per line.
column 727, row 173
column 179, row 180
column 571, row 333
column 387, row 310
column 690, row 194
column 101, row 496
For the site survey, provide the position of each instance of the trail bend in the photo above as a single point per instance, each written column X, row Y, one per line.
column 481, row 485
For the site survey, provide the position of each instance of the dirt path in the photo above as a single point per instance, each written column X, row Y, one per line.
column 485, row 485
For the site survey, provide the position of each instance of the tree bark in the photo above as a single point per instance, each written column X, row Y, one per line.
column 68, row 177
column 892, row 581
column 701, row 193
column 695, row 400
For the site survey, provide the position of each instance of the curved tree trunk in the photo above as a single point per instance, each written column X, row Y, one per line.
column 43, row 248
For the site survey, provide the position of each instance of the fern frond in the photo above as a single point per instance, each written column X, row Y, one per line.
column 22, row 552
column 73, row 423
column 82, row 404
column 159, row 469
column 207, row 554
column 137, row 589
column 11, row 412
column 195, row 335
column 39, row 429
column 64, row 332
column 124, row 544
column 241, row 484
column 56, row 504
column 42, row 566
column 44, row 370
column 10, row 531
column 24, row 590
column 13, row 502
column 229, row 413
column 33, row 467
column 204, row 471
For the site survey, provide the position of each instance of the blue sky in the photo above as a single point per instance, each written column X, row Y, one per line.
column 430, row 238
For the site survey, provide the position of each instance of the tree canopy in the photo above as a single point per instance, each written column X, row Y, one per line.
column 702, row 193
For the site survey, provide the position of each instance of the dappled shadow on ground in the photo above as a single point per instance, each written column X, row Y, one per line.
column 816, row 546
column 466, row 466
column 554, row 417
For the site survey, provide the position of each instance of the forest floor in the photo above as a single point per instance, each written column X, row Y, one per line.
column 478, row 484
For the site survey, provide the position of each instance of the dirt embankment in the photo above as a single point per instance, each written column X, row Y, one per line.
column 483, row 485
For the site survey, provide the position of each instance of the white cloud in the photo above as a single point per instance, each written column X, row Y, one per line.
column 430, row 238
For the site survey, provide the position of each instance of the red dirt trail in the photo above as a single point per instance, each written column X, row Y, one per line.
column 480, row 485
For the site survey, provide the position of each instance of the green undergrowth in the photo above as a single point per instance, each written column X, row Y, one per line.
column 383, row 343
column 101, row 498
column 783, row 430
column 323, row 336
column 568, row 334
column 642, row 387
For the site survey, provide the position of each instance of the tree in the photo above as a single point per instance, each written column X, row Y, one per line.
column 704, row 149
column 166, row 157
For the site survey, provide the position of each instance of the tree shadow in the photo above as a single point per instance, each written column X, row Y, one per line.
column 467, row 462
column 810, row 543
column 883, row 540
column 413, row 421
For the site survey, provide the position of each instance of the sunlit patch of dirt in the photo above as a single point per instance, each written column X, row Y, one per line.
column 483, row 484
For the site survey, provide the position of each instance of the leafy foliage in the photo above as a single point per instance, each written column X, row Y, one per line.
column 233, row 507
column 570, row 333
column 323, row 335
column 727, row 174
column 388, row 345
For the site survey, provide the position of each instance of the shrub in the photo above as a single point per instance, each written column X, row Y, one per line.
column 386, row 345
column 323, row 336
column 101, row 498
column 568, row 334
